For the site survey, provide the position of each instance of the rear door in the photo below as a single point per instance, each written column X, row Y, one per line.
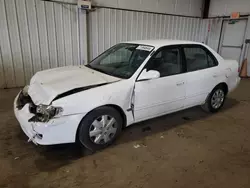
column 202, row 75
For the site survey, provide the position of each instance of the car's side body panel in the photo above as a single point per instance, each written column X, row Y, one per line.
column 118, row 93
column 232, row 74
column 159, row 96
column 199, row 85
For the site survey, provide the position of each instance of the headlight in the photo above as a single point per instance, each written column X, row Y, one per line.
column 45, row 112
column 25, row 90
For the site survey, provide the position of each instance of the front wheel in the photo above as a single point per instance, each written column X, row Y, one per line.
column 215, row 100
column 100, row 128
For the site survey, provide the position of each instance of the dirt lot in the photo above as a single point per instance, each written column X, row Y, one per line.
column 186, row 149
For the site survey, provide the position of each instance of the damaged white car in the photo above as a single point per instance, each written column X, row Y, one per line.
column 128, row 83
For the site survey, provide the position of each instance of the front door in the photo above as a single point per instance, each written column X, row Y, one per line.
column 165, row 94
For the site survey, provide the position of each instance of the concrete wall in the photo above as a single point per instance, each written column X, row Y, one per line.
column 226, row 7
column 179, row 7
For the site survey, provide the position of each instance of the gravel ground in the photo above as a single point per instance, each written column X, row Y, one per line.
column 185, row 149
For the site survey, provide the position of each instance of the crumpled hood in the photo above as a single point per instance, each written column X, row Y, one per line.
column 46, row 85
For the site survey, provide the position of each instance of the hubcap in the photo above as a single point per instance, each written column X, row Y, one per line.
column 217, row 99
column 102, row 129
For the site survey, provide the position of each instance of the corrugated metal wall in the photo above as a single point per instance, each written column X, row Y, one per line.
column 110, row 26
column 210, row 32
column 35, row 35
column 226, row 7
column 183, row 7
column 177, row 7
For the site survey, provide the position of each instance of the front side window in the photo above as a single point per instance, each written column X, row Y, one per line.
column 166, row 61
column 197, row 58
column 122, row 60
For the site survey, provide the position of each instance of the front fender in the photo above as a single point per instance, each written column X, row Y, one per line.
column 118, row 94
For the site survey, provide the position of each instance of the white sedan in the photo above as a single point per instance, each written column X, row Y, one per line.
column 128, row 83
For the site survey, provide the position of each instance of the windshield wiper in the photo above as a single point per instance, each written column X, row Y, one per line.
column 102, row 71
column 88, row 65
column 96, row 69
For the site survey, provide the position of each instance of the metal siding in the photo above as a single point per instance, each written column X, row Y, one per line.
column 82, row 37
column 197, row 29
column 110, row 26
column 67, row 1
column 75, row 35
column 25, row 40
column 8, row 67
column 2, row 77
column 212, row 38
column 67, row 34
column 34, row 36
column 231, row 47
column 50, row 23
column 180, row 7
column 59, row 34
column 247, row 56
column 203, row 31
column 15, row 42
column 248, row 28
column 226, row 7
column 43, row 34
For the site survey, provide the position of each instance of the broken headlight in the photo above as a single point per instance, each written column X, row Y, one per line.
column 45, row 112
column 25, row 91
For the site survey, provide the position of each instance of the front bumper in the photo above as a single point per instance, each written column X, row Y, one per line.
column 56, row 131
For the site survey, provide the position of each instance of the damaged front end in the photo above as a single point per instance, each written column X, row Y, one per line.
column 44, row 124
column 42, row 113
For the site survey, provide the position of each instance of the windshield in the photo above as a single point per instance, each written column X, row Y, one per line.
column 121, row 60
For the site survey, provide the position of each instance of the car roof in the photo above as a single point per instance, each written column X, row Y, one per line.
column 163, row 42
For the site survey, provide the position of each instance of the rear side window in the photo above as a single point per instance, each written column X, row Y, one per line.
column 211, row 61
column 197, row 58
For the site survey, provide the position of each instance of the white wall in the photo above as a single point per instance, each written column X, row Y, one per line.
column 214, row 33
column 248, row 28
column 226, row 7
column 36, row 35
column 179, row 7
column 67, row 1
column 109, row 26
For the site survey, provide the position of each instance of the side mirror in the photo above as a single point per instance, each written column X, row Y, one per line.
column 149, row 75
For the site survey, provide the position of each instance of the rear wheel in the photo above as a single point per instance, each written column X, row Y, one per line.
column 100, row 128
column 215, row 100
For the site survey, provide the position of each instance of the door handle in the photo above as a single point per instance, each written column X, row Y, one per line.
column 215, row 75
column 180, row 83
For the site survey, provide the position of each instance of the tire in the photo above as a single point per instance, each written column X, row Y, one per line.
column 99, row 128
column 209, row 105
